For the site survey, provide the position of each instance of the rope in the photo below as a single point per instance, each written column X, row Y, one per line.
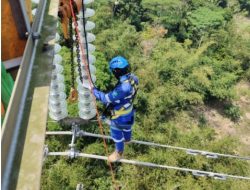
column 188, row 151
column 199, row 173
column 89, row 79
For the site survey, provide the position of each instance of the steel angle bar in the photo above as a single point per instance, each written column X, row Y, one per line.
column 200, row 173
column 14, row 122
column 193, row 152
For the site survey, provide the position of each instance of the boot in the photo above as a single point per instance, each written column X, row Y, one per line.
column 115, row 156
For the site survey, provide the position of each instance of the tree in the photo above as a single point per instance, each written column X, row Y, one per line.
column 203, row 20
column 169, row 13
column 245, row 5
column 133, row 11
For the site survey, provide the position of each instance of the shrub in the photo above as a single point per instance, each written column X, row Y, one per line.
column 233, row 112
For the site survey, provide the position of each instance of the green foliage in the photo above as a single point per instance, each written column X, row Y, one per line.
column 248, row 74
column 169, row 13
column 102, row 16
column 232, row 112
column 133, row 11
column 203, row 20
column 103, row 74
column 245, row 5
column 116, row 40
column 65, row 53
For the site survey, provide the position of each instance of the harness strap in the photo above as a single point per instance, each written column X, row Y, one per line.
column 126, row 108
column 135, row 88
column 122, row 111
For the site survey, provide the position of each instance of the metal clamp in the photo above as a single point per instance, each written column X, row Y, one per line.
column 203, row 153
column 199, row 174
column 80, row 133
column 45, row 152
column 218, row 176
column 192, row 152
column 75, row 130
column 214, row 156
column 79, row 186
column 209, row 154
column 36, row 35
column 73, row 153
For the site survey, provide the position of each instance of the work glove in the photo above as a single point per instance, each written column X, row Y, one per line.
column 95, row 90
column 105, row 120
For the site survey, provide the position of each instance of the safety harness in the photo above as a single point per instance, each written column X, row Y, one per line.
column 126, row 108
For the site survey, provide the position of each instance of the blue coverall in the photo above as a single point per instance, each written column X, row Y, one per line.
column 121, row 100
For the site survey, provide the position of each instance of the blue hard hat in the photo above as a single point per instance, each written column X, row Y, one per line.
column 118, row 62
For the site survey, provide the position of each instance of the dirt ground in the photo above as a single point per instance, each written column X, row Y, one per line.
column 225, row 127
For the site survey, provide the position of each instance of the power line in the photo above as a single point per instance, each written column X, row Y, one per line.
column 199, row 173
column 194, row 152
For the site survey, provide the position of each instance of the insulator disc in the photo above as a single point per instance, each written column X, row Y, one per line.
column 57, row 106
column 79, row 26
column 85, row 96
column 57, row 87
column 92, row 59
column 57, row 38
column 85, row 108
column 57, row 109
column 57, row 96
column 87, row 114
column 58, row 69
column 80, row 87
column 57, row 59
column 58, row 77
column 33, row 12
column 86, row 105
column 57, row 101
column 91, row 48
column 57, row 48
column 85, row 82
column 35, row 1
column 91, row 68
column 58, row 116
column 85, row 74
column 88, row 13
column 86, row 78
column 90, row 37
column 88, row 1
column 85, row 99
column 89, row 26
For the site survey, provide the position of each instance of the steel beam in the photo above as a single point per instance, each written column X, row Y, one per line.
column 23, row 130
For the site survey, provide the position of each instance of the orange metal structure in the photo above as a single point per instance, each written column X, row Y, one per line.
column 12, row 45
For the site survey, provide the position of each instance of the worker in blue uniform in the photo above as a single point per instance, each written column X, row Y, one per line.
column 120, row 103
